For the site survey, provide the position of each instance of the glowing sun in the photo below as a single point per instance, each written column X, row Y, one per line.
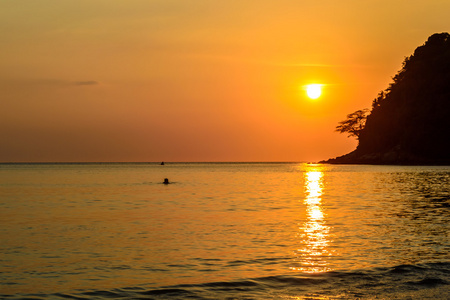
column 314, row 90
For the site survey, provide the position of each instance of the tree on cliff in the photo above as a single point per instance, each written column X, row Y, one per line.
column 409, row 121
column 354, row 123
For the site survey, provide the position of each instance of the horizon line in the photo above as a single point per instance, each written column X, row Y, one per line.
column 147, row 162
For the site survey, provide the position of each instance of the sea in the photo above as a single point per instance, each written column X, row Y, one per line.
column 224, row 231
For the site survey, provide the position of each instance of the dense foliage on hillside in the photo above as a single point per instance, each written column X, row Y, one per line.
column 410, row 120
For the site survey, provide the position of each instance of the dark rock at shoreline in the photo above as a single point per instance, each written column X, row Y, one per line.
column 393, row 157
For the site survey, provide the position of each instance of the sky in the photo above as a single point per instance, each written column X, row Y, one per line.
column 184, row 80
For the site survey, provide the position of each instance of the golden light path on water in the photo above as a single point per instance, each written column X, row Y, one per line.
column 314, row 233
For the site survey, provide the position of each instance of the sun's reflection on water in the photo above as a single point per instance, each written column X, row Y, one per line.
column 314, row 233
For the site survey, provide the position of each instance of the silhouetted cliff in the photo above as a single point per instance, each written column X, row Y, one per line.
column 410, row 120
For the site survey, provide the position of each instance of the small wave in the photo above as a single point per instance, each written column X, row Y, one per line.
column 278, row 281
column 263, row 261
column 167, row 292
column 232, row 284
column 430, row 282
column 384, row 283
column 403, row 269
column 388, row 281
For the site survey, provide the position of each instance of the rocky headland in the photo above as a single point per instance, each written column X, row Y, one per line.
column 409, row 123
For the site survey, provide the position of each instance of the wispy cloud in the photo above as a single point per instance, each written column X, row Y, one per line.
column 87, row 82
column 305, row 65
column 45, row 82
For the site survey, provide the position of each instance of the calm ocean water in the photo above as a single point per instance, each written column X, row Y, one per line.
column 224, row 231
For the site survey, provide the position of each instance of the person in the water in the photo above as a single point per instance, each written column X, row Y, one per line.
column 166, row 181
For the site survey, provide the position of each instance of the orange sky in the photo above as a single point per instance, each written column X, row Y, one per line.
column 181, row 80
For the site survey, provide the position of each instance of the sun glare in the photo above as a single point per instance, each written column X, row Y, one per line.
column 314, row 90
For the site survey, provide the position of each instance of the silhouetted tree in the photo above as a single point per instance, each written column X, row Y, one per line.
column 379, row 99
column 354, row 123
